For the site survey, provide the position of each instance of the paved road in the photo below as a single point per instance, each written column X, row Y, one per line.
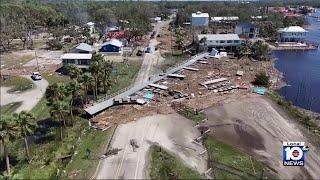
column 160, row 130
column 151, row 60
column 29, row 98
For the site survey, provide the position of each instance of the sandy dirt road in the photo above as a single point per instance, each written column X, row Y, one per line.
column 163, row 130
column 151, row 60
column 258, row 126
column 29, row 98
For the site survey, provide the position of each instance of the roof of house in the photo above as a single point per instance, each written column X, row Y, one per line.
column 246, row 25
column 219, row 36
column 84, row 47
column 90, row 23
column 76, row 56
column 114, row 42
column 226, row 18
column 292, row 29
column 200, row 14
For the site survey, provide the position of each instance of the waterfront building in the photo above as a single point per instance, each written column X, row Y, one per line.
column 200, row 19
column 247, row 30
column 228, row 41
column 292, row 34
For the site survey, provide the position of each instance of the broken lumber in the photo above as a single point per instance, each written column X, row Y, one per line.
column 176, row 76
column 202, row 62
column 202, row 153
column 213, row 81
column 191, row 69
column 159, row 86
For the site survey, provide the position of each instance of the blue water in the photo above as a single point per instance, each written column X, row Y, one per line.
column 301, row 71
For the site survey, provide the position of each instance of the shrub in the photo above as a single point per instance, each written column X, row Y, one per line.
column 262, row 79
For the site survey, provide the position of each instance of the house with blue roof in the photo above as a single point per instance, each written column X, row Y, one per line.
column 247, row 30
column 113, row 46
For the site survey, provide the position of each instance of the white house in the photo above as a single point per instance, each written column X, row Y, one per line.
column 221, row 40
column 79, row 59
column 292, row 34
column 200, row 19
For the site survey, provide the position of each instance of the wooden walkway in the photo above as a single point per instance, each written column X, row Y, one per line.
column 109, row 101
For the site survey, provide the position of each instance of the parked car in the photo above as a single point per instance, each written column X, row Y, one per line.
column 36, row 76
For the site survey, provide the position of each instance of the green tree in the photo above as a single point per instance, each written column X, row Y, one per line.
column 58, row 111
column 260, row 51
column 262, row 79
column 56, row 95
column 73, row 71
column 106, row 71
column 87, row 82
column 95, row 69
column 7, row 133
column 75, row 89
column 26, row 124
column 55, row 92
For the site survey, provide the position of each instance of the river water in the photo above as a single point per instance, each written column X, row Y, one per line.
column 301, row 71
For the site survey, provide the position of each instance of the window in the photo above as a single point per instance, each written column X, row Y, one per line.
column 236, row 41
column 70, row 61
column 83, row 62
column 229, row 41
column 222, row 42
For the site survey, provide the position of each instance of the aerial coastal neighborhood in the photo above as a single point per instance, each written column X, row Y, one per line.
column 160, row 89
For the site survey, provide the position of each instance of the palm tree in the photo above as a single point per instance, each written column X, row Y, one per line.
column 87, row 82
column 73, row 71
column 26, row 123
column 95, row 69
column 55, row 92
column 58, row 112
column 106, row 74
column 76, row 91
column 7, row 133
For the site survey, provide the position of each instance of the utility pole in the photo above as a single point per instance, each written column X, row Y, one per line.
column 35, row 53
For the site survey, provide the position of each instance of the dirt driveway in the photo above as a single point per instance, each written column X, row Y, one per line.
column 29, row 98
column 151, row 60
column 163, row 130
column 258, row 126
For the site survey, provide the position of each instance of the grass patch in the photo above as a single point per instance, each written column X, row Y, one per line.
column 165, row 166
column 41, row 110
column 47, row 153
column 123, row 75
column 17, row 83
column 194, row 116
column 9, row 109
column 172, row 59
column 56, row 78
column 219, row 152
column 81, row 167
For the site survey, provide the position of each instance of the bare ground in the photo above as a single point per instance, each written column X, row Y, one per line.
column 29, row 98
column 157, row 129
column 258, row 126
